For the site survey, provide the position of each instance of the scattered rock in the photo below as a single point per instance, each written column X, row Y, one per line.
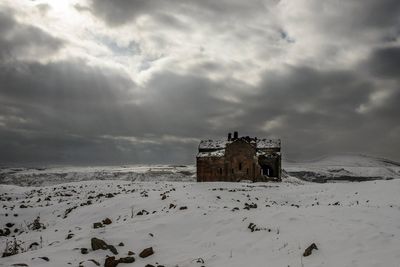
column 126, row 260
column 308, row 250
column 84, row 251
column 130, row 253
column 248, row 206
column 112, row 249
column 183, row 208
column 142, row 212
column 19, row 264
column 121, row 244
column 111, row 262
column 9, row 225
column 98, row 244
column 69, row 236
column 97, row 225
column 146, row 252
column 252, row 227
column 107, row 221
column 149, row 265
column 34, row 244
column 44, row 258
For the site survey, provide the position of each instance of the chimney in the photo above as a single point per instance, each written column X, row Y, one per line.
column 235, row 135
column 229, row 136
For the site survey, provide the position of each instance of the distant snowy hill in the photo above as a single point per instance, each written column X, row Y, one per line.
column 344, row 168
column 334, row 168
column 57, row 175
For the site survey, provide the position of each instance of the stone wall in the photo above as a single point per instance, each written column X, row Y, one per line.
column 240, row 162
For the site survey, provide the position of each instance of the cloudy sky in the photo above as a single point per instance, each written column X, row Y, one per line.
column 142, row 81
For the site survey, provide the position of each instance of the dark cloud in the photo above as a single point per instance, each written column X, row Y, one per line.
column 70, row 112
column 384, row 62
column 119, row 12
column 21, row 40
column 76, row 111
column 64, row 108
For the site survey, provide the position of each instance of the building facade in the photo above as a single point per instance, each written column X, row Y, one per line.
column 239, row 158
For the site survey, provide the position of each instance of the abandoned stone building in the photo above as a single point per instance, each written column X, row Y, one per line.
column 239, row 158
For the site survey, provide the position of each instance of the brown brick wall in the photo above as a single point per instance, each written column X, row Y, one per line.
column 240, row 163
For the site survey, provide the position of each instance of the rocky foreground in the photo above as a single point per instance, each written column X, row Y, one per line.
column 130, row 223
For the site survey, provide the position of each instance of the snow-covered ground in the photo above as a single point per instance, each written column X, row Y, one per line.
column 201, row 224
column 352, row 224
column 57, row 175
column 344, row 168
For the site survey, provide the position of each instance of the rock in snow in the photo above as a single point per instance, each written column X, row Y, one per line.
column 146, row 252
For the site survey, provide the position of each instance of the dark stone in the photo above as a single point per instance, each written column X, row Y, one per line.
column 34, row 244
column 183, row 208
column 130, row 253
column 126, row 260
column 98, row 244
column 97, row 225
column 111, row 262
column 6, row 232
column 84, row 251
column 146, row 252
column 149, row 265
column 252, row 227
column 9, row 225
column 69, row 236
column 107, row 221
column 44, row 258
column 121, row 244
column 112, row 249
column 308, row 250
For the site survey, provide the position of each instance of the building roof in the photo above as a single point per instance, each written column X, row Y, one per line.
column 213, row 154
column 268, row 143
column 221, row 144
column 212, row 144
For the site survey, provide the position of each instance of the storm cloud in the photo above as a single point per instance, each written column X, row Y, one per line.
column 120, row 82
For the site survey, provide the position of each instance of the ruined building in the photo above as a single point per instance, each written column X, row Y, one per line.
column 239, row 158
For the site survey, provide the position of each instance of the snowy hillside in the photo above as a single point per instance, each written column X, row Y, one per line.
column 57, row 175
column 344, row 168
column 202, row 224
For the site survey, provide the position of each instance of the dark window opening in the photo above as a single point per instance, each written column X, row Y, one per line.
column 240, row 166
column 232, row 171
column 220, row 171
column 247, row 171
column 267, row 170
